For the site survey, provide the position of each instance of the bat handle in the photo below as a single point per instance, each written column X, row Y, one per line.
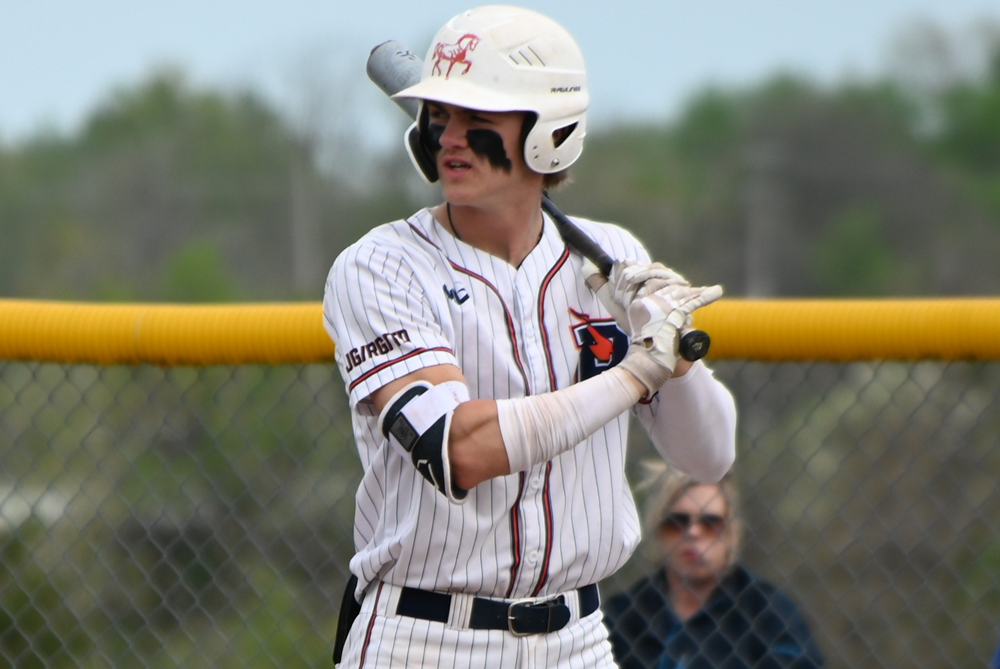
column 694, row 343
column 581, row 243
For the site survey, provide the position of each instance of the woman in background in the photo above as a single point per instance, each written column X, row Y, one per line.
column 702, row 608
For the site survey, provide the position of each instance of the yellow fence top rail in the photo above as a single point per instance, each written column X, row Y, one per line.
column 844, row 330
column 163, row 334
column 772, row 330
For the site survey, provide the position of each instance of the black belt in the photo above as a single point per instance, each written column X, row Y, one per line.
column 518, row 617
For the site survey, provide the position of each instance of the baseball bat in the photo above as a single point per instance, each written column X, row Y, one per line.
column 393, row 67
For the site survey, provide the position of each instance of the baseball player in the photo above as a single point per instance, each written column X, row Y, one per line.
column 491, row 388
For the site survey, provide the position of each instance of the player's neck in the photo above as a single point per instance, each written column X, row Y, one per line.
column 508, row 231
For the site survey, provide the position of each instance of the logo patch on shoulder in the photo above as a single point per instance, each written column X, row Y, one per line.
column 390, row 341
column 601, row 343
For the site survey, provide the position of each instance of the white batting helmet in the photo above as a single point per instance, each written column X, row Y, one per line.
column 501, row 58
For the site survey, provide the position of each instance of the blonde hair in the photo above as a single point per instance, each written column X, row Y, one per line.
column 668, row 485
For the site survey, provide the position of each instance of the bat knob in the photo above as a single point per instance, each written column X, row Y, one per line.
column 694, row 345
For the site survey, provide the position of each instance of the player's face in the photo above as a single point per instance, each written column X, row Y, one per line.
column 696, row 536
column 481, row 156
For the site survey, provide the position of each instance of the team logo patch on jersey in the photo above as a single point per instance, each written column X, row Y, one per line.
column 379, row 346
column 602, row 344
column 454, row 54
column 458, row 294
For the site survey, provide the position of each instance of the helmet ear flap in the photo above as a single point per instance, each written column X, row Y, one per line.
column 419, row 146
column 552, row 146
column 420, row 155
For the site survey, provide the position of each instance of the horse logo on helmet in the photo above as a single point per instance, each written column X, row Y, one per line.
column 455, row 54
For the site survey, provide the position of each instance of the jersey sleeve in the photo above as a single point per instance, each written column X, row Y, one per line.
column 382, row 317
column 692, row 424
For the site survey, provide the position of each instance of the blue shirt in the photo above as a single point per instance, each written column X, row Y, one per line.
column 747, row 623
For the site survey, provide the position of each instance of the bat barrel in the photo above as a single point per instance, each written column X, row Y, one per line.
column 393, row 67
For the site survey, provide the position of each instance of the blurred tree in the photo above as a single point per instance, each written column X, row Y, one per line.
column 166, row 164
column 852, row 257
column 37, row 628
column 156, row 166
column 970, row 134
column 761, row 189
column 755, row 188
column 197, row 273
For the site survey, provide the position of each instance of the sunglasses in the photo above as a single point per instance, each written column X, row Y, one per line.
column 679, row 522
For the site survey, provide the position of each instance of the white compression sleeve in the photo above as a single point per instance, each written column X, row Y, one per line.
column 692, row 424
column 535, row 429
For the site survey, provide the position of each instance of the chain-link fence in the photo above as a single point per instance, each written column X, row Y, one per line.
column 201, row 516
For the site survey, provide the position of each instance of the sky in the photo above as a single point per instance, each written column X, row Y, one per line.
column 60, row 59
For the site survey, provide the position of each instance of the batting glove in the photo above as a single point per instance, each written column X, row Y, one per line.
column 656, row 322
column 633, row 279
column 629, row 279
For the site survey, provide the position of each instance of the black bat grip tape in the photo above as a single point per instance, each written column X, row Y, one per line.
column 694, row 344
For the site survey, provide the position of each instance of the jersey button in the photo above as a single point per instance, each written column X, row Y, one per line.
column 532, row 557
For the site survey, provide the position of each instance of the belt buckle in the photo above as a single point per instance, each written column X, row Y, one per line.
column 510, row 616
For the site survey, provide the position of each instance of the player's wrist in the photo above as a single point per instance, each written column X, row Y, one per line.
column 682, row 368
column 649, row 371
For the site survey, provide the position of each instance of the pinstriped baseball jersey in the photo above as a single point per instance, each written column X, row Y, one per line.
column 409, row 295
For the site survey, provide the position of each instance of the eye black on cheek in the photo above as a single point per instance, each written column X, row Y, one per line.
column 489, row 144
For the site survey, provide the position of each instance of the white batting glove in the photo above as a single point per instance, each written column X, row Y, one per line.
column 632, row 279
column 656, row 322
column 629, row 279
column 599, row 283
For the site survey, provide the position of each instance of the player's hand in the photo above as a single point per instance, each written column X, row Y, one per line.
column 656, row 322
column 632, row 279
column 599, row 283
column 629, row 279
